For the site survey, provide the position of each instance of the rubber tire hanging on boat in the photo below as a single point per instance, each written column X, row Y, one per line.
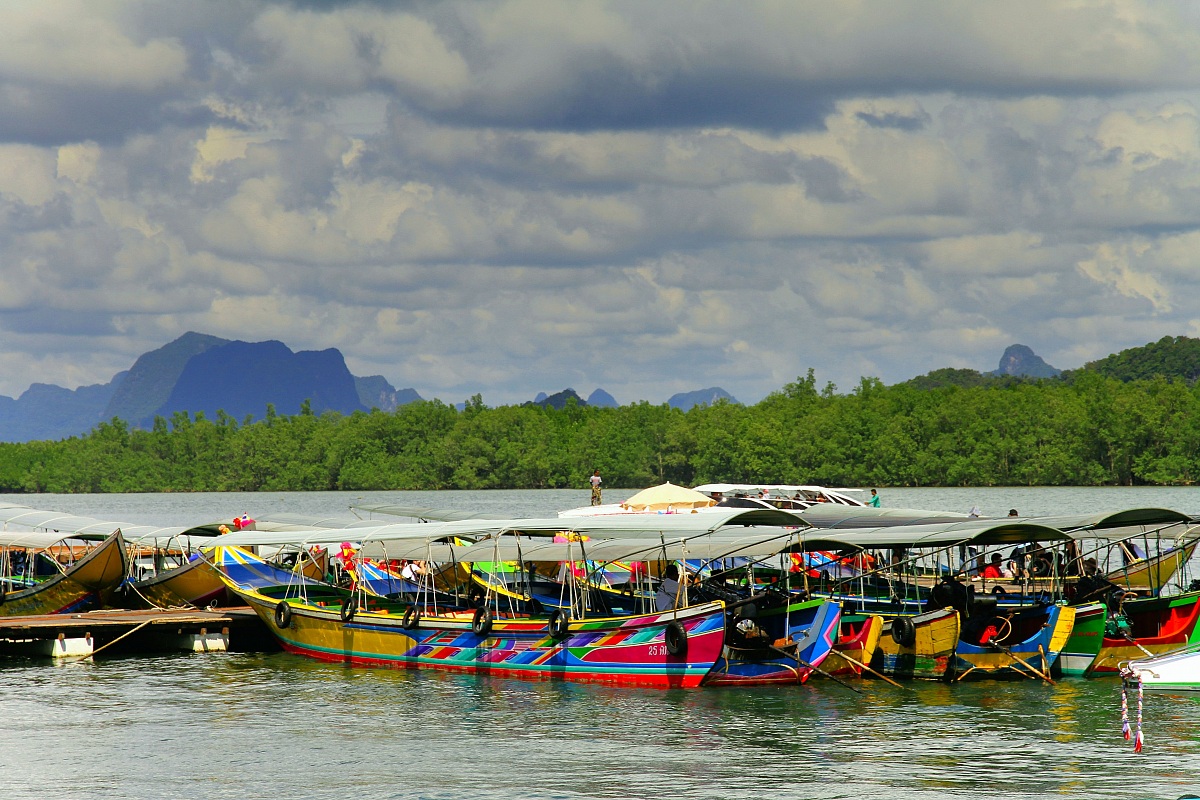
column 411, row 618
column 676, row 638
column 904, row 633
column 999, row 591
column 481, row 623
column 283, row 615
column 349, row 609
column 559, row 623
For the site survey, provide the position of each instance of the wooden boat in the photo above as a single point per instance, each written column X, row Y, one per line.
column 858, row 638
column 1147, row 626
column 1153, row 573
column 781, row 644
column 86, row 584
column 239, row 567
column 1173, row 671
column 918, row 646
column 1084, row 642
column 193, row 583
column 1022, row 642
column 670, row 649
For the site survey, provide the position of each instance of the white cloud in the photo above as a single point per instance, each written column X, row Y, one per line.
column 521, row 196
column 82, row 44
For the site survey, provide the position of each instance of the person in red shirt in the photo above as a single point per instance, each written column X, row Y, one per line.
column 993, row 571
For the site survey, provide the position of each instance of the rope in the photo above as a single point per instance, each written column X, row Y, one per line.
column 1125, row 710
column 114, row 641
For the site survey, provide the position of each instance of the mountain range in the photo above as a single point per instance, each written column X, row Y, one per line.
column 202, row 373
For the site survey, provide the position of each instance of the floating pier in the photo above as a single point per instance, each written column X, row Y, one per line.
column 80, row 636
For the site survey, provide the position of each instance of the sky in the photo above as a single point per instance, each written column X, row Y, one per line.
column 520, row 196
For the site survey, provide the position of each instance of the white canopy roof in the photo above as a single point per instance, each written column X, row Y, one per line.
column 54, row 526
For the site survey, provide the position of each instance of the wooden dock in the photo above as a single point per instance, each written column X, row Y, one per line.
column 115, row 632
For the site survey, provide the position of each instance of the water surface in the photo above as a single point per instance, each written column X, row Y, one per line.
column 274, row 725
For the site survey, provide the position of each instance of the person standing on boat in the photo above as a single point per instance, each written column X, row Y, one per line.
column 596, row 481
column 874, row 501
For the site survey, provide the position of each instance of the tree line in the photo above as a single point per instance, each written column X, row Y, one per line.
column 1092, row 430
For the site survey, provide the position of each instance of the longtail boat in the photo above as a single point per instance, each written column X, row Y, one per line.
column 84, row 585
column 1147, row 626
column 918, row 646
column 1153, row 572
column 1173, row 671
column 1021, row 642
column 858, row 638
column 1085, row 640
column 669, row 649
column 779, row 643
column 678, row 646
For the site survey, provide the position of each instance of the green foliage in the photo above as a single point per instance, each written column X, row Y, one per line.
column 1171, row 357
column 1090, row 430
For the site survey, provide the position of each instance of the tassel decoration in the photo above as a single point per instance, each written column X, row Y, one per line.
column 1137, row 743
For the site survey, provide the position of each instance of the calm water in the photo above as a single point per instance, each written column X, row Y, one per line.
column 274, row 725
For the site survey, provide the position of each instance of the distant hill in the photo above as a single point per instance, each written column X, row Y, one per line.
column 687, row 400
column 601, row 399
column 254, row 375
column 558, row 400
column 1021, row 360
column 1175, row 357
column 374, row 391
column 45, row 411
column 153, row 376
column 1017, row 362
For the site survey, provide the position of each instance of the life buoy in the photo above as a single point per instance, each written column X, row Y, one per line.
column 1040, row 568
column 283, row 615
column 481, row 623
column 904, row 632
column 559, row 623
column 349, row 609
column 676, row 638
column 411, row 618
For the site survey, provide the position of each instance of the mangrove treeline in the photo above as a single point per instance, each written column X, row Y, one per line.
column 1090, row 430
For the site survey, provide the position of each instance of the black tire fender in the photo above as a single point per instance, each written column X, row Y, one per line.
column 349, row 609
column 411, row 618
column 481, row 623
column 676, row 638
column 904, row 632
column 999, row 591
column 283, row 615
column 559, row 623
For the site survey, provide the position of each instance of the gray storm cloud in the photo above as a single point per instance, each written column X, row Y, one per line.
column 521, row 196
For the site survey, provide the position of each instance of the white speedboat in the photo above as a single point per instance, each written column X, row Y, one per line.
column 1176, row 671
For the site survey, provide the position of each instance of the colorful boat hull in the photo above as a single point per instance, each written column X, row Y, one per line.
column 628, row 651
column 1085, row 640
column 86, row 585
column 195, row 583
column 1039, row 636
column 1155, row 625
column 788, row 647
column 1151, row 574
column 858, row 638
column 925, row 653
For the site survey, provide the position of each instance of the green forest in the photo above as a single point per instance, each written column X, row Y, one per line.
column 1088, row 429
